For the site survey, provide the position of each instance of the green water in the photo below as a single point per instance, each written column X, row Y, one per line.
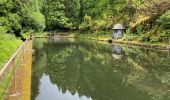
column 89, row 70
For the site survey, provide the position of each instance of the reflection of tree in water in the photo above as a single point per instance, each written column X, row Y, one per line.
column 38, row 63
column 151, row 69
column 90, row 70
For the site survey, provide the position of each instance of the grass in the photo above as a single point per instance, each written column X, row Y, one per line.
column 94, row 36
column 127, row 39
column 5, row 83
column 8, row 45
column 41, row 34
column 138, row 38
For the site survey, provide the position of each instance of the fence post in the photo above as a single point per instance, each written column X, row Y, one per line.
column 14, row 76
column 22, row 54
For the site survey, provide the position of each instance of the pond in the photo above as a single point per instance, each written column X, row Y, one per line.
column 71, row 69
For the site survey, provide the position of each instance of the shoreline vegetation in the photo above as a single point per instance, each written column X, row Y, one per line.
column 108, row 38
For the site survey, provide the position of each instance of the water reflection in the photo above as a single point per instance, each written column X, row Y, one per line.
column 117, row 51
column 84, row 70
column 53, row 92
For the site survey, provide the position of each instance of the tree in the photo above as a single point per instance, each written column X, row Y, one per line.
column 55, row 16
column 17, row 15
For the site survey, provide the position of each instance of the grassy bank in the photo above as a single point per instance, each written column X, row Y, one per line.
column 5, row 83
column 104, row 36
column 128, row 39
column 8, row 45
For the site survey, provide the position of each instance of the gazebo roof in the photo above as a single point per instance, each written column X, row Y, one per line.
column 118, row 26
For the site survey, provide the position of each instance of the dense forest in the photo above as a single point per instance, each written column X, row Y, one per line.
column 149, row 18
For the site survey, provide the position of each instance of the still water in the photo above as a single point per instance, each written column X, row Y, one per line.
column 89, row 70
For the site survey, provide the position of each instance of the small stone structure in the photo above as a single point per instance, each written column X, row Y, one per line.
column 118, row 30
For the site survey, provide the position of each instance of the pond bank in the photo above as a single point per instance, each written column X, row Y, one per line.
column 132, row 43
column 107, row 38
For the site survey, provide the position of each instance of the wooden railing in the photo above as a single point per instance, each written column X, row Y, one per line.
column 16, row 59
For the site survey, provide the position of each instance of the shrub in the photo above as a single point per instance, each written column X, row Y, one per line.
column 165, row 33
column 4, row 25
column 165, row 20
column 139, row 29
column 87, row 23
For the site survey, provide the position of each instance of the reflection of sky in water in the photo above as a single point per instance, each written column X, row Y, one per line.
column 49, row 91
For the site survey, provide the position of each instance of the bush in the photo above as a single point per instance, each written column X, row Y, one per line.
column 100, row 25
column 165, row 33
column 87, row 23
column 3, row 29
column 4, row 25
column 155, row 39
column 165, row 20
column 129, row 37
column 139, row 29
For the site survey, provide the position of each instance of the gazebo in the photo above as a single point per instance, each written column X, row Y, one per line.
column 118, row 30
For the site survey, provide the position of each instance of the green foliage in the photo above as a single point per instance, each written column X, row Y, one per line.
column 154, row 39
column 139, row 29
column 8, row 45
column 3, row 29
column 72, row 10
column 55, row 16
column 87, row 23
column 129, row 9
column 86, row 15
column 35, row 20
column 165, row 33
column 14, row 20
column 19, row 15
column 5, row 83
column 130, row 37
column 165, row 20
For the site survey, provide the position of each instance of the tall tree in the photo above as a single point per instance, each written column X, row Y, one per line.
column 55, row 15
